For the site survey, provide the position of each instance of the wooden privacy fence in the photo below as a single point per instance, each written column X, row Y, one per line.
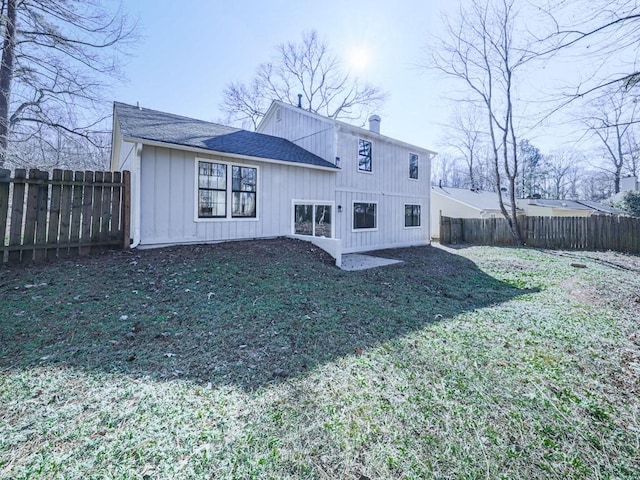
column 599, row 232
column 69, row 214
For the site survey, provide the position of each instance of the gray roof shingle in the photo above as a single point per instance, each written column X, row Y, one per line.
column 146, row 124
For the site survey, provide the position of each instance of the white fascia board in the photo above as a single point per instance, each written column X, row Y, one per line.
column 174, row 146
column 301, row 111
column 363, row 132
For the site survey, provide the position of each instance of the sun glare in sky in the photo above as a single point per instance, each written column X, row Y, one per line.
column 358, row 58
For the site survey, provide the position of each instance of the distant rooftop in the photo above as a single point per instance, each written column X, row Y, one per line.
column 480, row 199
column 145, row 124
column 574, row 205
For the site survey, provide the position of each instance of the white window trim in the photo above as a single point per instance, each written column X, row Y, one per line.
column 358, row 230
column 418, row 156
column 404, row 218
column 229, row 193
column 358, row 156
column 331, row 203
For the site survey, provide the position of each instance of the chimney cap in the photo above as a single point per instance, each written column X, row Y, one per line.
column 374, row 123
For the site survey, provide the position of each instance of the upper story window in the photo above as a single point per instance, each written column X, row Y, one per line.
column 364, row 155
column 413, row 166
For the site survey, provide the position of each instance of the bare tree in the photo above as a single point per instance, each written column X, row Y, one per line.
column 606, row 33
column 486, row 50
column 449, row 171
column 596, row 185
column 310, row 69
column 465, row 136
column 611, row 121
column 57, row 56
column 632, row 150
column 564, row 174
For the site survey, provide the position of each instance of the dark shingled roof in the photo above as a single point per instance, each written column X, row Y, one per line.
column 145, row 124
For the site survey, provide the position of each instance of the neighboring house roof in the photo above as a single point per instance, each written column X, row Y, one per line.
column 143, row 124
column 558, row 204
column 602, row 208
column 341, row 124
column 478, row 199
column 573, row 205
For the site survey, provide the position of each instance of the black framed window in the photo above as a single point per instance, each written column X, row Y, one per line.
column 243, row 191
column 212, row 190
column 364, row 155
column 365, row 215
column 412, row 215
column 413, row 166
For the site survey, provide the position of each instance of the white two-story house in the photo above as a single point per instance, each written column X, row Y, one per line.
column 346, row 189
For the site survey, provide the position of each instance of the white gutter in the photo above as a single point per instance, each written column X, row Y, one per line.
column 135, row 210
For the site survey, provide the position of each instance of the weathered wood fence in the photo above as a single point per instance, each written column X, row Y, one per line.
column 574, row 233
column 71, row 213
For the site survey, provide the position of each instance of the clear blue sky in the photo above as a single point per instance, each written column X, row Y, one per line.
column 191, row 49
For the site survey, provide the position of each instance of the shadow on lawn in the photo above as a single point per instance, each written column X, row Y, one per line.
column 241, row 313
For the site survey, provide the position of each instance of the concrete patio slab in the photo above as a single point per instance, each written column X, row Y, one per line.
column 357, row 261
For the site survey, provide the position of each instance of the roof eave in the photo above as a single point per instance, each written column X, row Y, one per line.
column 363, row 131
column 187, row 148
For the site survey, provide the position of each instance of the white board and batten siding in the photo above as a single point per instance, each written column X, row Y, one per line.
column 388, row 185
column 169, row 198
column 312, row 132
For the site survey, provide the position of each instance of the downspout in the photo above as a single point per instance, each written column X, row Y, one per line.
column 135, row 214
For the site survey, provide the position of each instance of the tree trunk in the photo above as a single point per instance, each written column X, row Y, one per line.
column 6, row 75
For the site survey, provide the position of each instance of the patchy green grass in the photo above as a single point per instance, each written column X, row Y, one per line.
column 262, row 360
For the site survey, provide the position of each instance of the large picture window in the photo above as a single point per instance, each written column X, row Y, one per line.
column 364, row 155
column 412, row 215
column 413, row 166
column 220, row 184
column 312, row 219
column 212, row 190
column 244, row 192
column 365, row 216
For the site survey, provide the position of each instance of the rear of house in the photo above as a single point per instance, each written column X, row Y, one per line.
column 346, row 189
column 381, row 193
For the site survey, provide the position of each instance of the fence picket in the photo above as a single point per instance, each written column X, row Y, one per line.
column 116, row 228
column 87, row 210
column 54, row 213
column 106, row 208
column 76, row 211
column 17, row 213
column 5, row 175
column 40, row 254
column 30, row 216
column 97, row 206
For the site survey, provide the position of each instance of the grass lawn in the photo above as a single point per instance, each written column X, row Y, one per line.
column 263, row 360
